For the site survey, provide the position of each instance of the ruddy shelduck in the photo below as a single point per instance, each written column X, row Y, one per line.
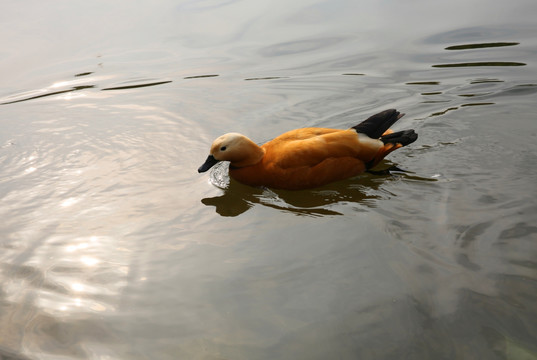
column 310, row 157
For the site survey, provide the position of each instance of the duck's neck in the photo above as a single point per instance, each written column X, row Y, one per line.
column 253, row 154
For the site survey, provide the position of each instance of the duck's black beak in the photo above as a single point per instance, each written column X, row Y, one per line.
column 209, row 163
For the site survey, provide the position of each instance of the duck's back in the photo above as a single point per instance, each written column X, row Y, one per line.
column 311, row 146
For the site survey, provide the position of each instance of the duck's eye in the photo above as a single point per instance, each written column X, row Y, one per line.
column 223, row 148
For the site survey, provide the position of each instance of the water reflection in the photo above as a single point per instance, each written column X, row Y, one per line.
column 323, row 201
column 238, row 198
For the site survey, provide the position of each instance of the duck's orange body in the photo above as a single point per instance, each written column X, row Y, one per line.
column 309, row 157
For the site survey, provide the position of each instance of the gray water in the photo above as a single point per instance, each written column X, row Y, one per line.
column 114, row 247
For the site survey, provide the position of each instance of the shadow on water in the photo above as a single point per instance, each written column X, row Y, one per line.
column 361, row 190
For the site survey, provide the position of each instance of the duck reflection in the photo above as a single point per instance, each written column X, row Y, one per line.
column 238, row 198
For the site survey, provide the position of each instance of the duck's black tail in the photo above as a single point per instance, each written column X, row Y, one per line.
column 375, row 127
column 404, row 137
column 377, row 124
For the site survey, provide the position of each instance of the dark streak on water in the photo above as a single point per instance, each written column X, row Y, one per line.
column 200, row 76
column 134, row 86
column 52, row 93
column 480, row 46
column 84, row 74
column 482, row 63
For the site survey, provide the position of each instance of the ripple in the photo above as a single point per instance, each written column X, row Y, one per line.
column 137, row 84
column 265, row 78
column 478, row 104
column 84, row 74
column 43, row 93
column 464, row 34
column 480, row 63
column 484, row 81
column 299, row 46
column 518, row 230
column 423, row 83
column 517, row 90
column 432, row 93
column 200, row 76
column 480, row 46
column 219, row 175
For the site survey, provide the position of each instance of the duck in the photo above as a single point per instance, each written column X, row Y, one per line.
column 310, row 157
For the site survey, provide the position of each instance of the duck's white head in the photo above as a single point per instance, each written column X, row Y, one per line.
column 235, row 148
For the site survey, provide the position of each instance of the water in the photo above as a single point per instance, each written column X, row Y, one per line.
column 114, row 247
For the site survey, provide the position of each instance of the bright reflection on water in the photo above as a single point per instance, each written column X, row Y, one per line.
column 114, row 247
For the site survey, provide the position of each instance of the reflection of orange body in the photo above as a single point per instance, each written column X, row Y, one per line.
column 310, row 157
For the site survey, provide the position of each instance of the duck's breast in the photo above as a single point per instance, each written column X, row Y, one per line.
column 304, row 177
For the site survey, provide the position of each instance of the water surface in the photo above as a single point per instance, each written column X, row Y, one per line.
column 114, row 247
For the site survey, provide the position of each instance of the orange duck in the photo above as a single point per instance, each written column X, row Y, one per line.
column 310, row 157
